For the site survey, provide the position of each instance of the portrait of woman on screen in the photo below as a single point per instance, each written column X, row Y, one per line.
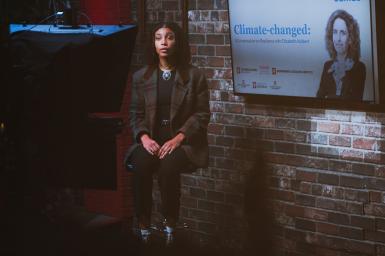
column 343, row 76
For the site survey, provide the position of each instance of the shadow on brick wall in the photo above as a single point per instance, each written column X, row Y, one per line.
column 258, row 214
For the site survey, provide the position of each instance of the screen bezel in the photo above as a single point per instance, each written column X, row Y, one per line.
column 378, row 17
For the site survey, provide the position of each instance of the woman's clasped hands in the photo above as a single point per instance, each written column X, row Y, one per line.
column 168, row 147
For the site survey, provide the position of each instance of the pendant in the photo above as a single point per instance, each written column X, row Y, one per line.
column 166, row 75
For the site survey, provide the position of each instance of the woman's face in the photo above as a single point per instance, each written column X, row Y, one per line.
column 165, row 42
column 340, row 36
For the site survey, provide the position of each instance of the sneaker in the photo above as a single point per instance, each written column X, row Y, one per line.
column 169, row 235
column 145, row 235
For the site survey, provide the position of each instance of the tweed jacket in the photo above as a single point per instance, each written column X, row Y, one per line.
column 353, row 83
column 189, row 111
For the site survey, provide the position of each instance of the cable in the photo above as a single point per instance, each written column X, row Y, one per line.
column 89, row 21
column 43, row 20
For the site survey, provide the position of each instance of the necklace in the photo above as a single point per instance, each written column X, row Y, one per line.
column 166, row 75
column 166, row 72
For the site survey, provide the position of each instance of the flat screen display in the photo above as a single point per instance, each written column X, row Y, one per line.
column 317, row 49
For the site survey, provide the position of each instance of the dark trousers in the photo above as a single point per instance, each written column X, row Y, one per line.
column 168, row 171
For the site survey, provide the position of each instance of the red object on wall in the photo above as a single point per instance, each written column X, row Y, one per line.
column 107, row 12
column 115, row 203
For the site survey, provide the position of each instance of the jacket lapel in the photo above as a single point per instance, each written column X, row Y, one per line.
column 150, row 95
column 177, row 96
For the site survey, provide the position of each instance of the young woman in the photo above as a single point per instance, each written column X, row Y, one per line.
column 343, row 76
column 169, row 115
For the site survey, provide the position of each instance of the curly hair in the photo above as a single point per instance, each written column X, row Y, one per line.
column 182, row 48
column 353, row 51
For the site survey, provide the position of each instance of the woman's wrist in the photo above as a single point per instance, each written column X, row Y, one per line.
column 144, row 137
column 180, row 137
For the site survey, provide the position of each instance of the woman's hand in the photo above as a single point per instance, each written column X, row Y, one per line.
column 169, row 146
column 149, row 144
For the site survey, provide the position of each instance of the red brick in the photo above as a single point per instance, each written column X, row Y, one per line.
column 197, row 193
column 295, row 211
column 283, row 195
column 220, row 5
column 305, row 200
column 234, row 131
column 327, row 228
column 376, row 184
column 380, row 224
column 306, row 125
column 380, row 250
column 214, row 128
column 199, row 214
column 215, row 39
column 234, row 108
column 361, row 247
column 305, row 224
column 315, row 214
column 223, row 15
column 306, row 175
column 297, row 235
column 342, row 141
column 330, row 179
column 328, row 152
column 206, row 205
column 375, row 209
column 224, row 141
column 356, row 195
column 206, row 50
column 206, row 183
column 354, row 182
column 352, row 129
column 235, row 154
column 188, row 202
column 327, row 252
column 375, row 236
column 353, row 233
column 353, row 155
column 316, row 138
column 329, row 127
column 377, row 158
column 282, row 170
column 193, row 48
column 375, row 131
column 295, row 136
column 223, row 118
column 222, row 51
column 338, row 218
column 170, row 5
column 189, row 180
column 361, row 143
column 274, row 134
column 216, row 61
column 363, row 169
column 304, row 149
column 196, row 38
column 340, row 166
column 285, row 147
column 368, row 223
column 380, row 171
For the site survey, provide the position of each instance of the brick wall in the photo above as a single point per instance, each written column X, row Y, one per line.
column 325, row 169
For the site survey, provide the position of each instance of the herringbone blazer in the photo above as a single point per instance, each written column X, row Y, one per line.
column 189, row 110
